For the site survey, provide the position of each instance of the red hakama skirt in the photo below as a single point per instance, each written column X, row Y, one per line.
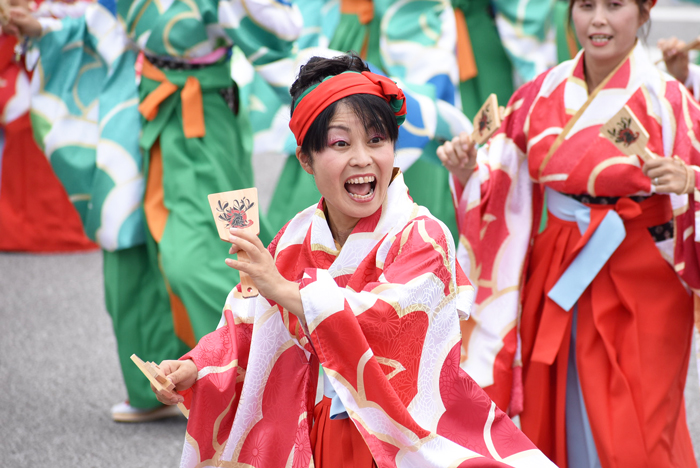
column 633, row 341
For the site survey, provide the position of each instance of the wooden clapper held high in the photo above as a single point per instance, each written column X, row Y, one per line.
column 237, row 208
column 487, row 120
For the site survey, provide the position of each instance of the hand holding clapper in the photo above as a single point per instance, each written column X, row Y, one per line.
column 692, row 45
column 157, row 378
column 239, row 209
column 4, row 12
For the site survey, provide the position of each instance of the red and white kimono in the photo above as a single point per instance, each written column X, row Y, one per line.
column 693, row 80
column 634, row 327
column 383, row 320
column 35, row 212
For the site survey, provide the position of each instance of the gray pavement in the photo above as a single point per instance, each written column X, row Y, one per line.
column 59, row 372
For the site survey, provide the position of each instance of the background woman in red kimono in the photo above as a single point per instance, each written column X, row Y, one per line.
column 364, row 283
column 32, row 201
column 585, row 328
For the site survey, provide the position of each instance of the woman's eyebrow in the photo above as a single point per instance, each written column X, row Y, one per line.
column 341, row 127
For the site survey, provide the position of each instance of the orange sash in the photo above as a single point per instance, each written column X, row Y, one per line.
column 191, row 96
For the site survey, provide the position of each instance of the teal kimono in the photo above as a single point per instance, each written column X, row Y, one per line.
column 124, row 147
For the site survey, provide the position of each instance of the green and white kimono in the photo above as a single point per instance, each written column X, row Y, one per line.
column 567, row 43
column 511, row 41
column 164, row 272
column 528, row 34
column 411, row 42
column 491, row 70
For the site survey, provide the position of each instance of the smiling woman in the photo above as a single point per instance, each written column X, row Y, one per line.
column 364, row 284
column 607, row 30
column 584, row 329
column 349, row 146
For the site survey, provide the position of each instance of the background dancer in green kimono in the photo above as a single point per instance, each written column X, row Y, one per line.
column 505, row 43
column 410, row 42
column 164, row 280
column 484, row 65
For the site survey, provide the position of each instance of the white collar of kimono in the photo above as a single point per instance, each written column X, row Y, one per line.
column 643, row 74
column 397, row 210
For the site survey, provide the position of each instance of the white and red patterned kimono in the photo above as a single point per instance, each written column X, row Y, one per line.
column 383, row 320
column 35, row 212
column 633, row 331
column 693, row 80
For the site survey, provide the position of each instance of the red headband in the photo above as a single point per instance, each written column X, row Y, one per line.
column 335, row 88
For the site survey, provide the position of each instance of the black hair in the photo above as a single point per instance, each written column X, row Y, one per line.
column 373, row 111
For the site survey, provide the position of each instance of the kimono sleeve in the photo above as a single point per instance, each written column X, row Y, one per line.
column 528, row 35
column 687, row 207
column 416, row 54
column 85, row 119
column 497, row 212
column 222, row 358
column 390, row 345
column 265, row 30
column 417, row 43
column 693, row 81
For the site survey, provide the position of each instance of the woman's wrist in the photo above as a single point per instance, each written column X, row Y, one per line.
column 689, row 177
column 683, row 76
column 689, row 180
column 466, row 174
column 289, row 298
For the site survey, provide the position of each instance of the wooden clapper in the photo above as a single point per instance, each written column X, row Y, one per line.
column 4, row 12
column 692, row 45
column 627, row 134
column 237, row 208
column 157, row 377
column 487, row 120
column 4, row 21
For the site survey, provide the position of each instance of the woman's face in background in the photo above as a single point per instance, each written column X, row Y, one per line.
column 354, row 170
column 607, row 29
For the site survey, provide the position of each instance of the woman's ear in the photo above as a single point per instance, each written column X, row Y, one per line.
column 645, row 13
column 304, row 160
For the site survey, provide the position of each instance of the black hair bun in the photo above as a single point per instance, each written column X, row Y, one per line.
column 318, row 68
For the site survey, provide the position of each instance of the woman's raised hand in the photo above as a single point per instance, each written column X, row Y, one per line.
column 676, row 61
column 670, row 175
column 22, row 23
column 459, row 156
column 262, row 270
column 182, row 373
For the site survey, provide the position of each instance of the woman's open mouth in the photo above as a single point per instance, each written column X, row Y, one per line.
column 361, row 188
column 600, row 39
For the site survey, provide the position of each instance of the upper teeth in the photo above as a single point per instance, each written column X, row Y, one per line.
column 361, row 180
column 599, row 37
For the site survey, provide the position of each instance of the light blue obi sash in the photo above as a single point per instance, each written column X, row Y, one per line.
column 337, row 407
column 605, row 240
